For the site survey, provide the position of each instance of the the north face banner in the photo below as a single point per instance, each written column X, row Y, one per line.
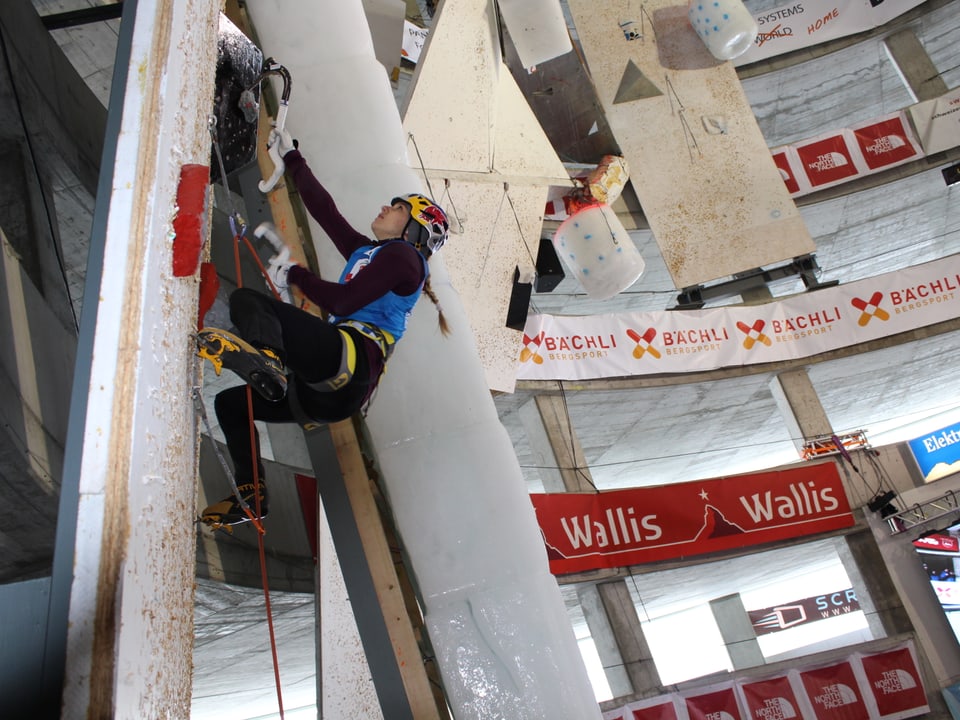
column 894, row 682
column 660, row 708
column 586, row 531
column 834, row 692
column 720, row 703
column 770, row 698
column 886, row 142
column 627, row 344
column 884, row 685
column 827, row 160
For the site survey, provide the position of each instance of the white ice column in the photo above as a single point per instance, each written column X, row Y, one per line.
column 494, row 613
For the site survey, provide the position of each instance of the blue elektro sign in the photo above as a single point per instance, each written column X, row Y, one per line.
column 941, row 447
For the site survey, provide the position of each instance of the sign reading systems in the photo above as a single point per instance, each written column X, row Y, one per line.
column 938, row 453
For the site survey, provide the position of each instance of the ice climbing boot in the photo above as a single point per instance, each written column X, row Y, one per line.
column 261, row 369
column 229, row 511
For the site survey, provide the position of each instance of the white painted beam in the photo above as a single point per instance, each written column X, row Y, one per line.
column 131, row 605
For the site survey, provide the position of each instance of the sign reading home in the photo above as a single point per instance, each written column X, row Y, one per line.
column 586, row 531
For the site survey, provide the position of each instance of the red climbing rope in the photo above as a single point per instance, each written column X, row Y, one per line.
column 256, row 471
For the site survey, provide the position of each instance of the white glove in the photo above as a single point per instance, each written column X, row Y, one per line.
column 277, row 270
column 279, row 265
column 283, row 141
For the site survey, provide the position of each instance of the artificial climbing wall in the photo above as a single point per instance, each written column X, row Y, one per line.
column 714, row 198
column 488, row 162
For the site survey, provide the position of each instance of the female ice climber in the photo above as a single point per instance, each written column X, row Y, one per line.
column 305, row 368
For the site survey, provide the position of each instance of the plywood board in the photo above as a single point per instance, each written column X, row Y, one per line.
column 489, row 164
column 706, row 180
column 501, row 232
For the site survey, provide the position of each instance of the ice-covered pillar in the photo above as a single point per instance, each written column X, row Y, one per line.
column 494, row 613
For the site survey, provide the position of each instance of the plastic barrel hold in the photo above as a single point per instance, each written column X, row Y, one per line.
column 599, row 252
column 726, row 26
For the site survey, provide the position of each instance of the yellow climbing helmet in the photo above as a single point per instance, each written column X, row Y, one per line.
column 432, row 226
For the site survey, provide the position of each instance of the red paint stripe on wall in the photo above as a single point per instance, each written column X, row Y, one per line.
column 189, row 225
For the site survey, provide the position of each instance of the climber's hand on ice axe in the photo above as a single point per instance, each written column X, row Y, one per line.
column 281, row 140
column 279, row 143
column 279, row 265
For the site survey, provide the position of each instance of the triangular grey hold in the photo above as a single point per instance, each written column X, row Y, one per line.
column 634, row 85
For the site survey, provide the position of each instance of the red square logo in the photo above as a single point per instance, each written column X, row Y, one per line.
column 719, row 704
column 885, row 143
column 834, row 693
column 660, row 711
column 827, row 160
column 895, row 682
column 786, row 172
column 772, row 698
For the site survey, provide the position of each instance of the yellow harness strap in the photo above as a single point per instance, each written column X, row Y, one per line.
column 381, row 337
column 348, row 366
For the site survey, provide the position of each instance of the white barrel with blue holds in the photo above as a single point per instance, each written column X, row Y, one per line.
column 599, row 251
column 726, row 26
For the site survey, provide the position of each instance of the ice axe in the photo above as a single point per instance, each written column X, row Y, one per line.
column 248, row 105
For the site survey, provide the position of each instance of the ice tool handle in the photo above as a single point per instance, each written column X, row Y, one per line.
column 273, row 68
column 266, row 230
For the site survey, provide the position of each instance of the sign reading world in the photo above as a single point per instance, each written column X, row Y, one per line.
column 938, row 454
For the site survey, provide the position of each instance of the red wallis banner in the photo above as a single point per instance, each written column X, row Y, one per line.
column 586, row 531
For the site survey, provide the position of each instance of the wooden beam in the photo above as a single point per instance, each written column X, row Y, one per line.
column 383, row 572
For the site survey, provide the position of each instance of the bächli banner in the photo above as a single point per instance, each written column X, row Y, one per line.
column 586, row 531
column 649, row 343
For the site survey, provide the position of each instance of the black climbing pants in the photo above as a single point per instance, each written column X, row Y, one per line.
column 311, row 349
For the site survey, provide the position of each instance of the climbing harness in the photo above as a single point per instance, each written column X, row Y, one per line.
column 381, row 337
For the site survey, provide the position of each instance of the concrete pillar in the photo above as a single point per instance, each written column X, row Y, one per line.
column 805, row 416
column 541, row 447
column 798, row 403
column 934, row 635
column 607, row 608
column 604, row 639
column 559, row 445
column 913, row 64
column 625, row 624
column 737, row 631
column 870, row 579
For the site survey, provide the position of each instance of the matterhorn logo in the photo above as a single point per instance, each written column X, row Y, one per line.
column 836, row 695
